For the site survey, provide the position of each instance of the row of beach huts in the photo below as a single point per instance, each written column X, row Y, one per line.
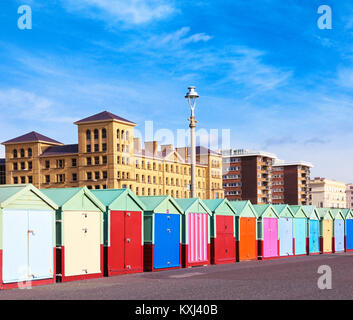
column 58, row 235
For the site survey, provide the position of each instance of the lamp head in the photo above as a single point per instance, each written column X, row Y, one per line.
column 192, row 94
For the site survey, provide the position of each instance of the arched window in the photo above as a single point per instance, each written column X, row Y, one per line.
column 88, row 135
column 96, row 133
column 29, row 152
column 22, row 153
column 15, row 153
column 104, row 133
column 122, row 134
column 118, row 134
column 127, row 135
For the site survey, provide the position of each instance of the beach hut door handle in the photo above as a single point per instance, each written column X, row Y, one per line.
column 128, row 214
column 85, row 230
column 128, row 266
column 128, row 240
column 31, row 231
column 169, row 231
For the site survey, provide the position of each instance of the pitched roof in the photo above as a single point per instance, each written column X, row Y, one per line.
column 60, row 150
column 32, row 137
column 105, row 115
column 61, row 196
column 9, row 194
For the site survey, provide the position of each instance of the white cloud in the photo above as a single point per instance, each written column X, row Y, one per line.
column 127, row 11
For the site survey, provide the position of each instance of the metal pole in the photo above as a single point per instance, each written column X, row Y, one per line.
column 193, row 154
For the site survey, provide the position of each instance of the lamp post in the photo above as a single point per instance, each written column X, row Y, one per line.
column 191, row 96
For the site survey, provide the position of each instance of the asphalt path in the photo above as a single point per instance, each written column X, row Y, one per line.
column 285, row 278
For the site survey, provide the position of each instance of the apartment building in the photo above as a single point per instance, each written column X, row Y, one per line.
column 2, row 172
column 290, row 182
column 325, row 193
column 109, row 156
column 349, row 195
column 247, row 175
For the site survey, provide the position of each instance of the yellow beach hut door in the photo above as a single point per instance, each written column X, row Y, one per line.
column 327, row 235
column 82, row 243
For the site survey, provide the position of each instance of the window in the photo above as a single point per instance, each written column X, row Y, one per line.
column 23, row 166
column 15, row 180
column 118, row 147
column 74, row 162
column 122, row 134
column 96, row 134
column 127, row 135
column 104, row 186
column 22, row 153
column 47, row 164
column 29, row 165
column 105, row 175
column 96, row 160
column 104, row 159
column 118, row 134
column 15, row 153
column 89, row 187
column 23, row 180
column 104, row 147
column 97, row 187
column 88, row 148
column 29, row 152
column 47, row 179
column 137, row 178
column 88, row 135
column 89, row 175
column 15, row 166
column 74, row 177
column 89, row 161
column 97, row 175
column 30, row 179
column 96, row 147
column 60, row 178
column 60, row 164
column 104, row 133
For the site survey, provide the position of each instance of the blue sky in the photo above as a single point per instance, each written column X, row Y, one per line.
column 263, row 69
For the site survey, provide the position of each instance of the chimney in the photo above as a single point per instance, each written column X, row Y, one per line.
column 151, row 148
column 166, row 148
column 137, row 145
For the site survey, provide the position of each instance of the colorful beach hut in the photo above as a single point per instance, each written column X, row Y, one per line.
column 267, row 231
column 196, row 247
column 123, row 231
column 162, row 233
column 300, row 230
column 285, row 229
column 79, row 234
column 27, row 237
column 338, row 230
column 245, row 230
column 348, row 213
column 313, row 240
column 326, row 230
column 222, row 231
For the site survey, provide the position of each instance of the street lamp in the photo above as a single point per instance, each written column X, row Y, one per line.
column 191, row 96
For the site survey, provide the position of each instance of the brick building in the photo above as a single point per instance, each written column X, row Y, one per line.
column 108, row 156
column 2, row 172
column 290, row 182
column 349, row 195
column 247, row 175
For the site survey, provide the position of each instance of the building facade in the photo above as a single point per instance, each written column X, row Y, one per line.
column 108, row 156
column 349, row 195
column 290, row 182
column 2, row 171
column 325, row 193
column 247, row 175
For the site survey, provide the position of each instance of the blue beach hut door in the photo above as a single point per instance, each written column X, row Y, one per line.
column 339, row 235
column 314, row 236
column 349, row 239
column 166, row 241
column 286, row 236
column 300, row 225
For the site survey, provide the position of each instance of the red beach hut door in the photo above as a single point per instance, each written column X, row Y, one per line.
column 225, row 238
column 125, row 252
